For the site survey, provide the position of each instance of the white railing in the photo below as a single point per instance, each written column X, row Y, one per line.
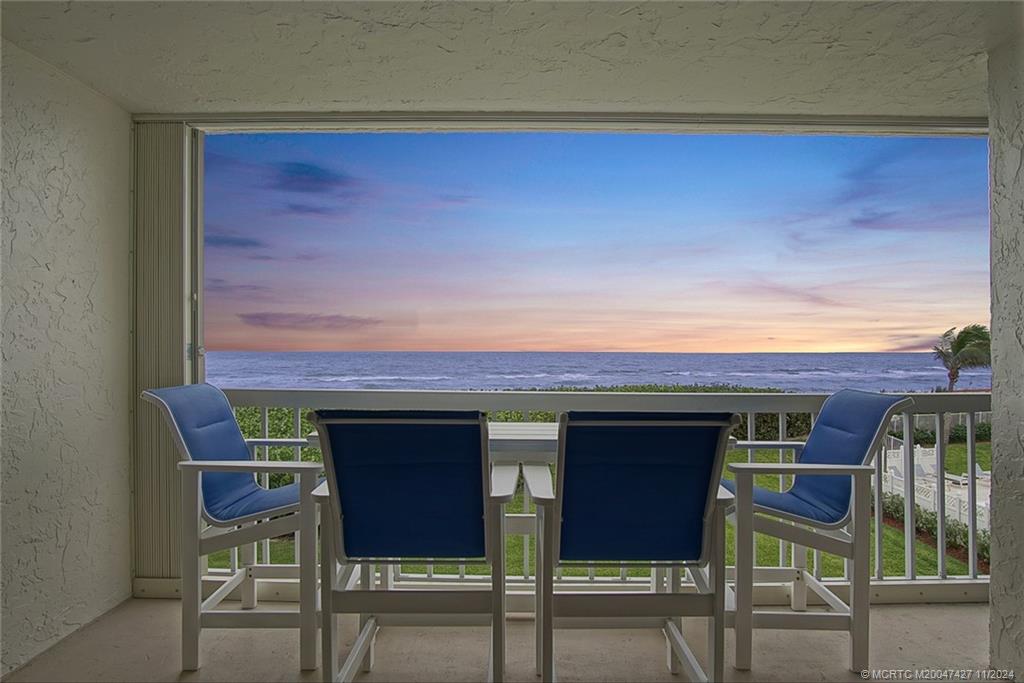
column 957, row 504
column 287, row 407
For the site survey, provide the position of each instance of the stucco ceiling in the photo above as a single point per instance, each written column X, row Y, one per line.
column 902, row 59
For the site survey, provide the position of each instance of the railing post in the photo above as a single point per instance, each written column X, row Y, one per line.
column 972, row 498
column 879, row 522
column 783, row 546
column 297, row 456
column 817, row 553
column 752, row 436
column 265, row 477
column 909, row 523
column 940, row 491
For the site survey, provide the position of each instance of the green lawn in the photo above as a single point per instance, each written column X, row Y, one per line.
column 956, row 457
column 767, row 555
column 768, row 549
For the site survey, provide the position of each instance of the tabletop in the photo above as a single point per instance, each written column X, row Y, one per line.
column 517, row 436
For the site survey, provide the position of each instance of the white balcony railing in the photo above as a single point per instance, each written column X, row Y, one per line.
column 901, row 559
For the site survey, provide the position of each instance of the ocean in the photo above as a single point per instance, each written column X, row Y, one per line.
column 794, row 372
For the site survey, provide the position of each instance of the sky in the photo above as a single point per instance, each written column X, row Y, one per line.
column 592, row 242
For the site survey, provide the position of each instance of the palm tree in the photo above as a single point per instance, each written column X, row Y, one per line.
column 971, row 347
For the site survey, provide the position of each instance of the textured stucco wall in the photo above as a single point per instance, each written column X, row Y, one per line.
column 1006, row 140
column 695, row 57
column 66, row 363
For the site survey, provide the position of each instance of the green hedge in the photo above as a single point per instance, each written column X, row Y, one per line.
column 925, row 521
column 957, row 434
column 766, row 425
column 982, row 432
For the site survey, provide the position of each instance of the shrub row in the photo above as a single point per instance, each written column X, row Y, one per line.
column 925, row 521
column 766, row 425
column 957, row 434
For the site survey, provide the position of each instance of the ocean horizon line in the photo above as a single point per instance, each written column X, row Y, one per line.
column 654, row 353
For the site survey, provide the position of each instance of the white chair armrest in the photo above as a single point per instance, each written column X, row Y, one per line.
column 539, row 484
column 250, row 466
column 504, row 479
column 752, row 468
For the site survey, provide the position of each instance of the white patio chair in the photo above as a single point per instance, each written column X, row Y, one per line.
column 638, row 489
column 813, row 513
column 223, row 507
column 407, row 485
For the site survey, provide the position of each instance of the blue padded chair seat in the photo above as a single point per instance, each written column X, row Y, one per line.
column 788, row 503
column 256, row 501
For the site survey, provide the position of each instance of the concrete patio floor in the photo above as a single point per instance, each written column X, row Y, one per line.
column 139, row 641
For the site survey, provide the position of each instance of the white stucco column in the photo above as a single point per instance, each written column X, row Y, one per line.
column 1006, row 140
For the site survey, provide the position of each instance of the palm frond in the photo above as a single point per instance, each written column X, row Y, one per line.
column 978, row 355
column 968, row 348
column 971, row 335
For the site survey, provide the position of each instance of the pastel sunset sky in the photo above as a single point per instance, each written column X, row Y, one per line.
column 592, row 242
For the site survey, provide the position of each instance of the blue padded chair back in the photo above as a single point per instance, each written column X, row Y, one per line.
column 633, row 489
column 409, row 484
column 204, row 427
column 846, row 433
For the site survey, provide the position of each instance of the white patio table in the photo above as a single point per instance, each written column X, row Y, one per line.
column 510, row 442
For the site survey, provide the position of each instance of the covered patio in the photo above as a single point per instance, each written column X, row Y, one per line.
column 112, row 649
column 106, row 106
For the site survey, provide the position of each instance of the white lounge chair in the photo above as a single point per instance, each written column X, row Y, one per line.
column 407, row 485
column 222, row 507
column 639, row 489
column 831, row 490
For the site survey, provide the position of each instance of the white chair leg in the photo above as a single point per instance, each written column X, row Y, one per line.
column 306, row 553
column 716, row 625
column 860, row 579
column 367, row 574
column 247, row 558
column 191, row 571
column 497, row 673
column 798, row 593
column 547, row 589
column 743, row 624
column 538, row 597
column 671, row 659
column 328, row 635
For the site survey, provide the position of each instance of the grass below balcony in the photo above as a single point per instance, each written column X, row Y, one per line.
column 281, row 550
